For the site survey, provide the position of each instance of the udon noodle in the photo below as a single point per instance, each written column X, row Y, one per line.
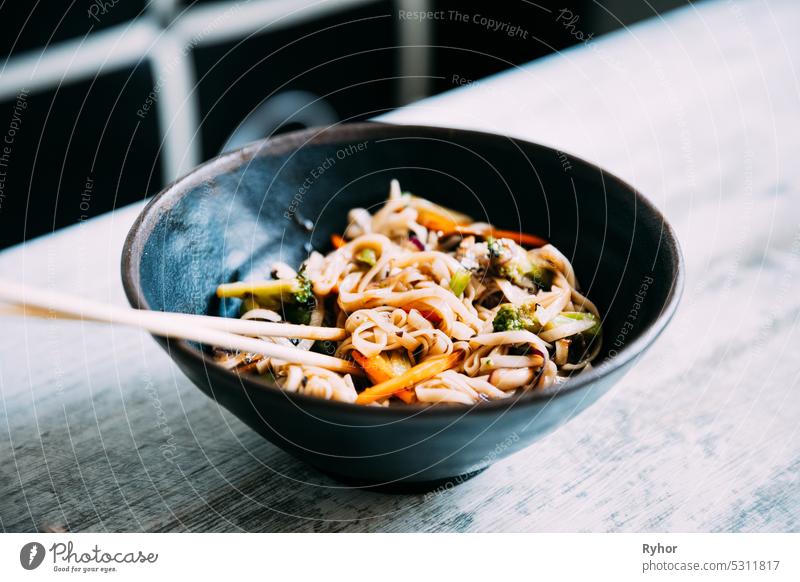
column 436, row 308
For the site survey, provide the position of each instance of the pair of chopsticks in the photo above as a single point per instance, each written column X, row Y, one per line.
column 223, row 332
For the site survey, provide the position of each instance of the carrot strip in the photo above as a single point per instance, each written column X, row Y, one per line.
column 407, row 395
column 433, row 220
column 337, row 241
column 522, row 238
column 379, row 369
column 427, row 369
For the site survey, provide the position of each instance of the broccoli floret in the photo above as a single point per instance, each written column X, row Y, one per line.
column 512, row 262
column 304, row 294
column 514, row 272
column 301, row 302
column 268, row 292
column 507, row 319
column 523, row 272
column 512, row 317
column 508, row 260
column 494, row 247
column 294, row 297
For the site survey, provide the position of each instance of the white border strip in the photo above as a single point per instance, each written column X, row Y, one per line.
column 240, row 556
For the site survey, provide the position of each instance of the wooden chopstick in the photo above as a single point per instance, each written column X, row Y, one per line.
column 259, row 328
column 79, row 308
column 213, row 331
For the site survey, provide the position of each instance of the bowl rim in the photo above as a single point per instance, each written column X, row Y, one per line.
column 166, row 199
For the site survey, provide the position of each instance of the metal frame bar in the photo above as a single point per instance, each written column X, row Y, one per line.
column 415, row 62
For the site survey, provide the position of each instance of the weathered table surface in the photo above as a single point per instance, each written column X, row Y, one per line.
column 99, row 431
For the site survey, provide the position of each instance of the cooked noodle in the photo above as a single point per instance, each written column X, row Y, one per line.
column 416, row 281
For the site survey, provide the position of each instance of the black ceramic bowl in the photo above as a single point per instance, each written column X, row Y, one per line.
column 237, row 213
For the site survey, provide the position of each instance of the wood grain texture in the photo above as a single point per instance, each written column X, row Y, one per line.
column 700, row 110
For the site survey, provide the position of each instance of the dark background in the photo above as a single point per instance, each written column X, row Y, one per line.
column 319, row 67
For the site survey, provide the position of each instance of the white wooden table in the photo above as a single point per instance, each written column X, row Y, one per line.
column 701, row 111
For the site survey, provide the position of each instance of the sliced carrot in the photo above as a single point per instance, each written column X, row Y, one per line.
column 407, row 395
column 437, row 217
column 427, row 369
column 440, row 214
column 523, row 238
column 380, row 369
column 337, row 241
column 377, row 368
column 400, row 364
column 433, row 220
